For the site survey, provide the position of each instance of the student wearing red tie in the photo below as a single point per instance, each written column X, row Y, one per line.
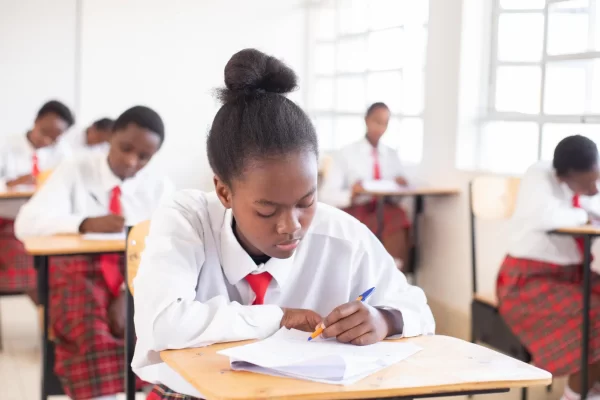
column 96, row 193
column 22, row 158
column 365, row 160
column 539, row 283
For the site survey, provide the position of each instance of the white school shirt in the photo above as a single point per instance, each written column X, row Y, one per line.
column 16, row 160
column 352, row 164
column 81, row 188
column 190, row 289
column 544, row 204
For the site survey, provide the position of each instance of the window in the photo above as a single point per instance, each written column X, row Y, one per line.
column 544, row 80
column 365, row 51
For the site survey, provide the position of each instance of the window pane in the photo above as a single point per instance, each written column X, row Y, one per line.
column 406, row 136
column 522, row 4
column 386, row 49
column 351, row 14
column 324, row 127
column 351, row 54
column 386, row 87
column 520, row 37
column 391, row 13
column 568, row 24
column 554, row 133
column 508, row 147
column 325, row 58
column 322, row 95
column 415, row 45
column 350, row 94
column 413, row 91
column 348, row 130
column 573, row 87
column 322, row 20
column 518, row 89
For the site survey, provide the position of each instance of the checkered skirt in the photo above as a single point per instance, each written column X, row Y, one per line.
column 394, row 217
column 90, row 361
column 161, row 392
column 543, row 305
column 17, row 274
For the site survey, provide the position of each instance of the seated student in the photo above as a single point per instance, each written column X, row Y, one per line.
column 260, row 252
column 539, row 283
column 99, row 193
column 95, row 138
column 365, row 160
column 21, row 158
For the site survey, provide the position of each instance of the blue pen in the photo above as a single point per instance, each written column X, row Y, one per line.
column 363, row 297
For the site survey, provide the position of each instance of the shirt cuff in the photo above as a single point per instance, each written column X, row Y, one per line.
column 266, row 319
column 412, row 324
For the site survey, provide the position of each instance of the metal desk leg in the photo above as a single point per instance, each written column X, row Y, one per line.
column 129, row 348
column 414, row 249
column 585, row 336
column 41, row 264
column 380, row 204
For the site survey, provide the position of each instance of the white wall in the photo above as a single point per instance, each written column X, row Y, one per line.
column 170, row 56
column 37, row 59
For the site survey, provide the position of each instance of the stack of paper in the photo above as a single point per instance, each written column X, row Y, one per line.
column 288, row 353
column 104, row 236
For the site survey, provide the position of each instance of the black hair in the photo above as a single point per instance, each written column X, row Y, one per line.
column 575, row 153
column 256, row 120
column 144, row 117
column 58, row 108
column 376, row 106
column 104, row 124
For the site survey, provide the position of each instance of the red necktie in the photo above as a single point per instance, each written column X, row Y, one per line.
column 579, row 240
column 259, row 284
column 109, row 263
column 35, row 167
column 376, row 167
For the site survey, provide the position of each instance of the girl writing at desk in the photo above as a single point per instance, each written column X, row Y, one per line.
column 260, row 252
column 366, row 160
column 96, row 193
column 540, row 281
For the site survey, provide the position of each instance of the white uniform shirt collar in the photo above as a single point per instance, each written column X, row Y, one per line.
column 108, row 180
column 237, row 263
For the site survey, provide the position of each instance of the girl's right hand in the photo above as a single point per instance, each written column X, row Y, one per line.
column 357, row 189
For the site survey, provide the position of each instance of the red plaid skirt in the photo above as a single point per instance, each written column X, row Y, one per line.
column 161, row 392
column 17, row 274
column 394, row 217
column 89, row 359
column 543, row 305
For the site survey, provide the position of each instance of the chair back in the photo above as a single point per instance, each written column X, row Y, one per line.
column 43, row 177
column 136, row 242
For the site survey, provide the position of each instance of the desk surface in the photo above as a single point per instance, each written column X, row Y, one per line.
column 424, row 191
column 581, row 230
column 445, row 365
column 20, row 192
column 70, row 244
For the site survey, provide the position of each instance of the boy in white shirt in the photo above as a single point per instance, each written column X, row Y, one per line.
column 96, row 194
column 365, row 160
column 260, row 253
column 539, row 283
column 22, row 157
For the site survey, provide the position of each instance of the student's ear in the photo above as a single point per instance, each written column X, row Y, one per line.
column 223, row 192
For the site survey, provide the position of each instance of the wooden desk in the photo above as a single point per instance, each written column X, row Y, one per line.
column 446, row 366
column 24, row 192
column 42, row 248
column 419, row 206
column 587, row 232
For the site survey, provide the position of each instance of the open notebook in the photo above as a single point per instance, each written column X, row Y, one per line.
column 288, row 353
column 104, row 236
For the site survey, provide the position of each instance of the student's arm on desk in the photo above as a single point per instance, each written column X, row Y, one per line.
column 540, row 208
column 374, row 267
column 49, row 211
column 335, row 190
column 167, row 314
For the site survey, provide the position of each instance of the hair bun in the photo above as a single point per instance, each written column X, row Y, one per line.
column 251, row 71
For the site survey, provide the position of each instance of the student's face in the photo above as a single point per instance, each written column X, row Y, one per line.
column 94, row 136
column 131, row 149
column 377, row 123
column 47, row 129
column 273, row 203
column 585, row 183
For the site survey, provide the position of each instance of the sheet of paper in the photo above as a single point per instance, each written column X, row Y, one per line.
column 104, row 236
column 288, row 353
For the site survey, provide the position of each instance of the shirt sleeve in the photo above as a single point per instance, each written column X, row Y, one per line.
column 376, row 268
column 335, row 190
column 542, row 205
column 50, row 210
column 167, row 314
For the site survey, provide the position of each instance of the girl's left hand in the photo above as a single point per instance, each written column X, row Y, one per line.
column 401, row 181
column 357, row 323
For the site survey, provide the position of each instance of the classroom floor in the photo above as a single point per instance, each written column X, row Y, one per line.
column 20, row 359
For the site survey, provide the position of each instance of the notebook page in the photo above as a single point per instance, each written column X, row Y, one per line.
column 104, row 236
